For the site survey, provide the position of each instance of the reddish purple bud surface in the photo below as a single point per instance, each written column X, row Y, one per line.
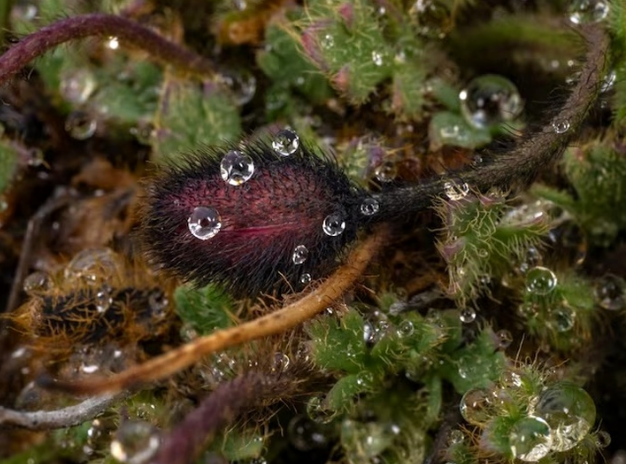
column 267, row 233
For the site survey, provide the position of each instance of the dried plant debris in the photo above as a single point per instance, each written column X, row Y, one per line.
column 267, row 231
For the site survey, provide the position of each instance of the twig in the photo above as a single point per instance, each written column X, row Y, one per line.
column 271, row 324
column 218, row 409
column 100, row 25
column 61, row 418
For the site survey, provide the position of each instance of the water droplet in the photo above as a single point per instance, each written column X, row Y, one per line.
column 377, row 58
column 305, row 434
column 455, row 191
column 476, row 406
column 560, row 126
column 286, row 142
column 135, row 442
column 370, row 206
column 300, row 254
column 305, row 278
column 490, row 100
column 80, row 125
column 113, row 43
column 103, row 299
column 158, row 303
column 281, row 363
column 467, row 315
column 588, row 11
column 77, row 86
column 334, row 224
column 365, row 379
column 456, row 437
column 328, row 41
column 368, row 332
column 609, row 292
column 144, row 132
column 570, row 412
column 530, row 439
column 236, row 167
column 603, row 439
column 540, row 280
column 406, row 329
column 204, row 222
column 563, row 318
column 316, row 411
column 504, row 339
column 386, row 171
column 38, row 283
column 432, row 18
column 242, row 84
column 92, row 266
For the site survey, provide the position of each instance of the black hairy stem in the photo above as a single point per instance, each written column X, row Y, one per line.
column 520, row 166
column 217, row 410
column 100, row 25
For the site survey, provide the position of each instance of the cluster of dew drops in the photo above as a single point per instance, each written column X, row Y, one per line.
column 236, row 168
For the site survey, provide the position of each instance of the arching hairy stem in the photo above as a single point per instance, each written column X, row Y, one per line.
column 520, row 166
column 100, row 25
column 271, row 324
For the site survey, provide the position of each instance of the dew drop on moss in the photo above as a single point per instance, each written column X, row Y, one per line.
column 530, row 439
column 476, row 406
column 455, row 191
column 540, row 281
column 609, row 292
column 570, row 412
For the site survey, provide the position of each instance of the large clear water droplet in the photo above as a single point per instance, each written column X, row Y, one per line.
column 504, row 339
column 92, row 266
column 286, row 142
column 80, row 125
column 242, row 84
column 386, row 171
column 570, row 411
column 432, row 18
column 236, row 167
column 476, row 406
column 334, row 224
column 540, row 280
column 300, row 254
column 204, row 222
column 490, row 100
column 135, row 442
column 369, row 206
column 455, row 191
column 588, row 11
column 609, row 292
column 530, row 439
column 305, row 278
column 317, row 412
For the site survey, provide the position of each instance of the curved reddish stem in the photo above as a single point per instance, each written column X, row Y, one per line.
column 100, row 25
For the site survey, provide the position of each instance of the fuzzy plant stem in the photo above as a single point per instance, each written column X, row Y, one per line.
column 217, row 410
column 271, row 324
column 100, row 25
column 522, row 165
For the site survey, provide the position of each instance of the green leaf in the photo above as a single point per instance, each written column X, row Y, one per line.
column 205, row 309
